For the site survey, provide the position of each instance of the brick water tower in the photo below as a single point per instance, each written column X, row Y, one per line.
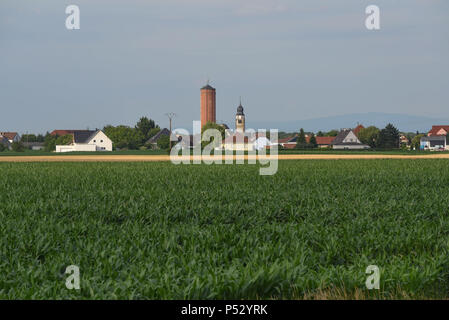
column 208, row 111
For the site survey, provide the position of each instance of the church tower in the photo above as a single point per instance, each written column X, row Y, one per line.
column 240, row 119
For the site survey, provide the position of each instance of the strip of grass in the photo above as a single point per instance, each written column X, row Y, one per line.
column 165, row 152
column 160, row 231
column 45, row 153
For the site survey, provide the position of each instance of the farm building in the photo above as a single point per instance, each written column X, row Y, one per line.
column 154, row 139
column 322, row 142
column 290, row 143
column 85, row 140
column 35, row 146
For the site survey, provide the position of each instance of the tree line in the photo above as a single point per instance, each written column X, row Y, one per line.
column 386, row 138
column 123, row 137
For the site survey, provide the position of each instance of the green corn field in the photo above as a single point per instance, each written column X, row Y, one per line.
column 161, row 231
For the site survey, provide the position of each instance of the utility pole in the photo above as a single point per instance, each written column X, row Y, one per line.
column 170, row 116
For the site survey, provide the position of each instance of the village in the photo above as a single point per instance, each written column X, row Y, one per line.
column 147, row 135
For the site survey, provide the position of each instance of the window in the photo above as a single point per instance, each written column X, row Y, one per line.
column 95, row 140
column 101, row 141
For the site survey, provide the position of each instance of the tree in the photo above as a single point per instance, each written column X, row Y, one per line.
column 144, row 127
column 17, row 146
column 403, row 146
column 32, row 138
column 153, row 132
column 212, row 125
column 40, row 138
column 2, row 147
column 332, row 133
column 410, row 136
column 416, row 142
column 28, row 138
column 64, row 140
column 164, row 142
column 312, row 141
column 124, row 137
column 320, row 134
column 301, row 140
column 50, row 141
column 369, row 136
column 388, row 138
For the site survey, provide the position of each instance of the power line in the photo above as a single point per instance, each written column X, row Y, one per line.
column 170, row 116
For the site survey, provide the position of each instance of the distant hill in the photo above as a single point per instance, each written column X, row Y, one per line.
column 404, row 122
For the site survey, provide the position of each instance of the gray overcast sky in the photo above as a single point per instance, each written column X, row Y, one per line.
column 289, row 59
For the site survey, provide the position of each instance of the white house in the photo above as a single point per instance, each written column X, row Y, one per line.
column 433, row 143
column 347, row 139
column 87, row 140
column 261, row 143
column 245, row 141
column 238, row 141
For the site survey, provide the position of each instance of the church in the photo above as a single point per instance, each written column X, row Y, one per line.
column 237, row 139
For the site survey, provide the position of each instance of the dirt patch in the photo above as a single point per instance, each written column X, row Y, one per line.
column 145, row 158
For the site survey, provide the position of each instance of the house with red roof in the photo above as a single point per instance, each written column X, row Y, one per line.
column 438, row 130
column 11, row 136
column 60, row 133
column 322, row 142
column 357, row 129
column 290, row 143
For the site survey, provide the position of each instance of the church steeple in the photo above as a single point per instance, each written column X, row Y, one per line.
column 240, row 118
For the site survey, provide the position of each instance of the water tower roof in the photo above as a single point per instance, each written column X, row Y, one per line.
column 207, row 87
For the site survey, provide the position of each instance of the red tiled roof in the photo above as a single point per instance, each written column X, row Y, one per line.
column 357, row 129
column 322, row 140
column 61, row 132
column 284, row 140
column 289, row 145
column 9, row 135
column 435, row 129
